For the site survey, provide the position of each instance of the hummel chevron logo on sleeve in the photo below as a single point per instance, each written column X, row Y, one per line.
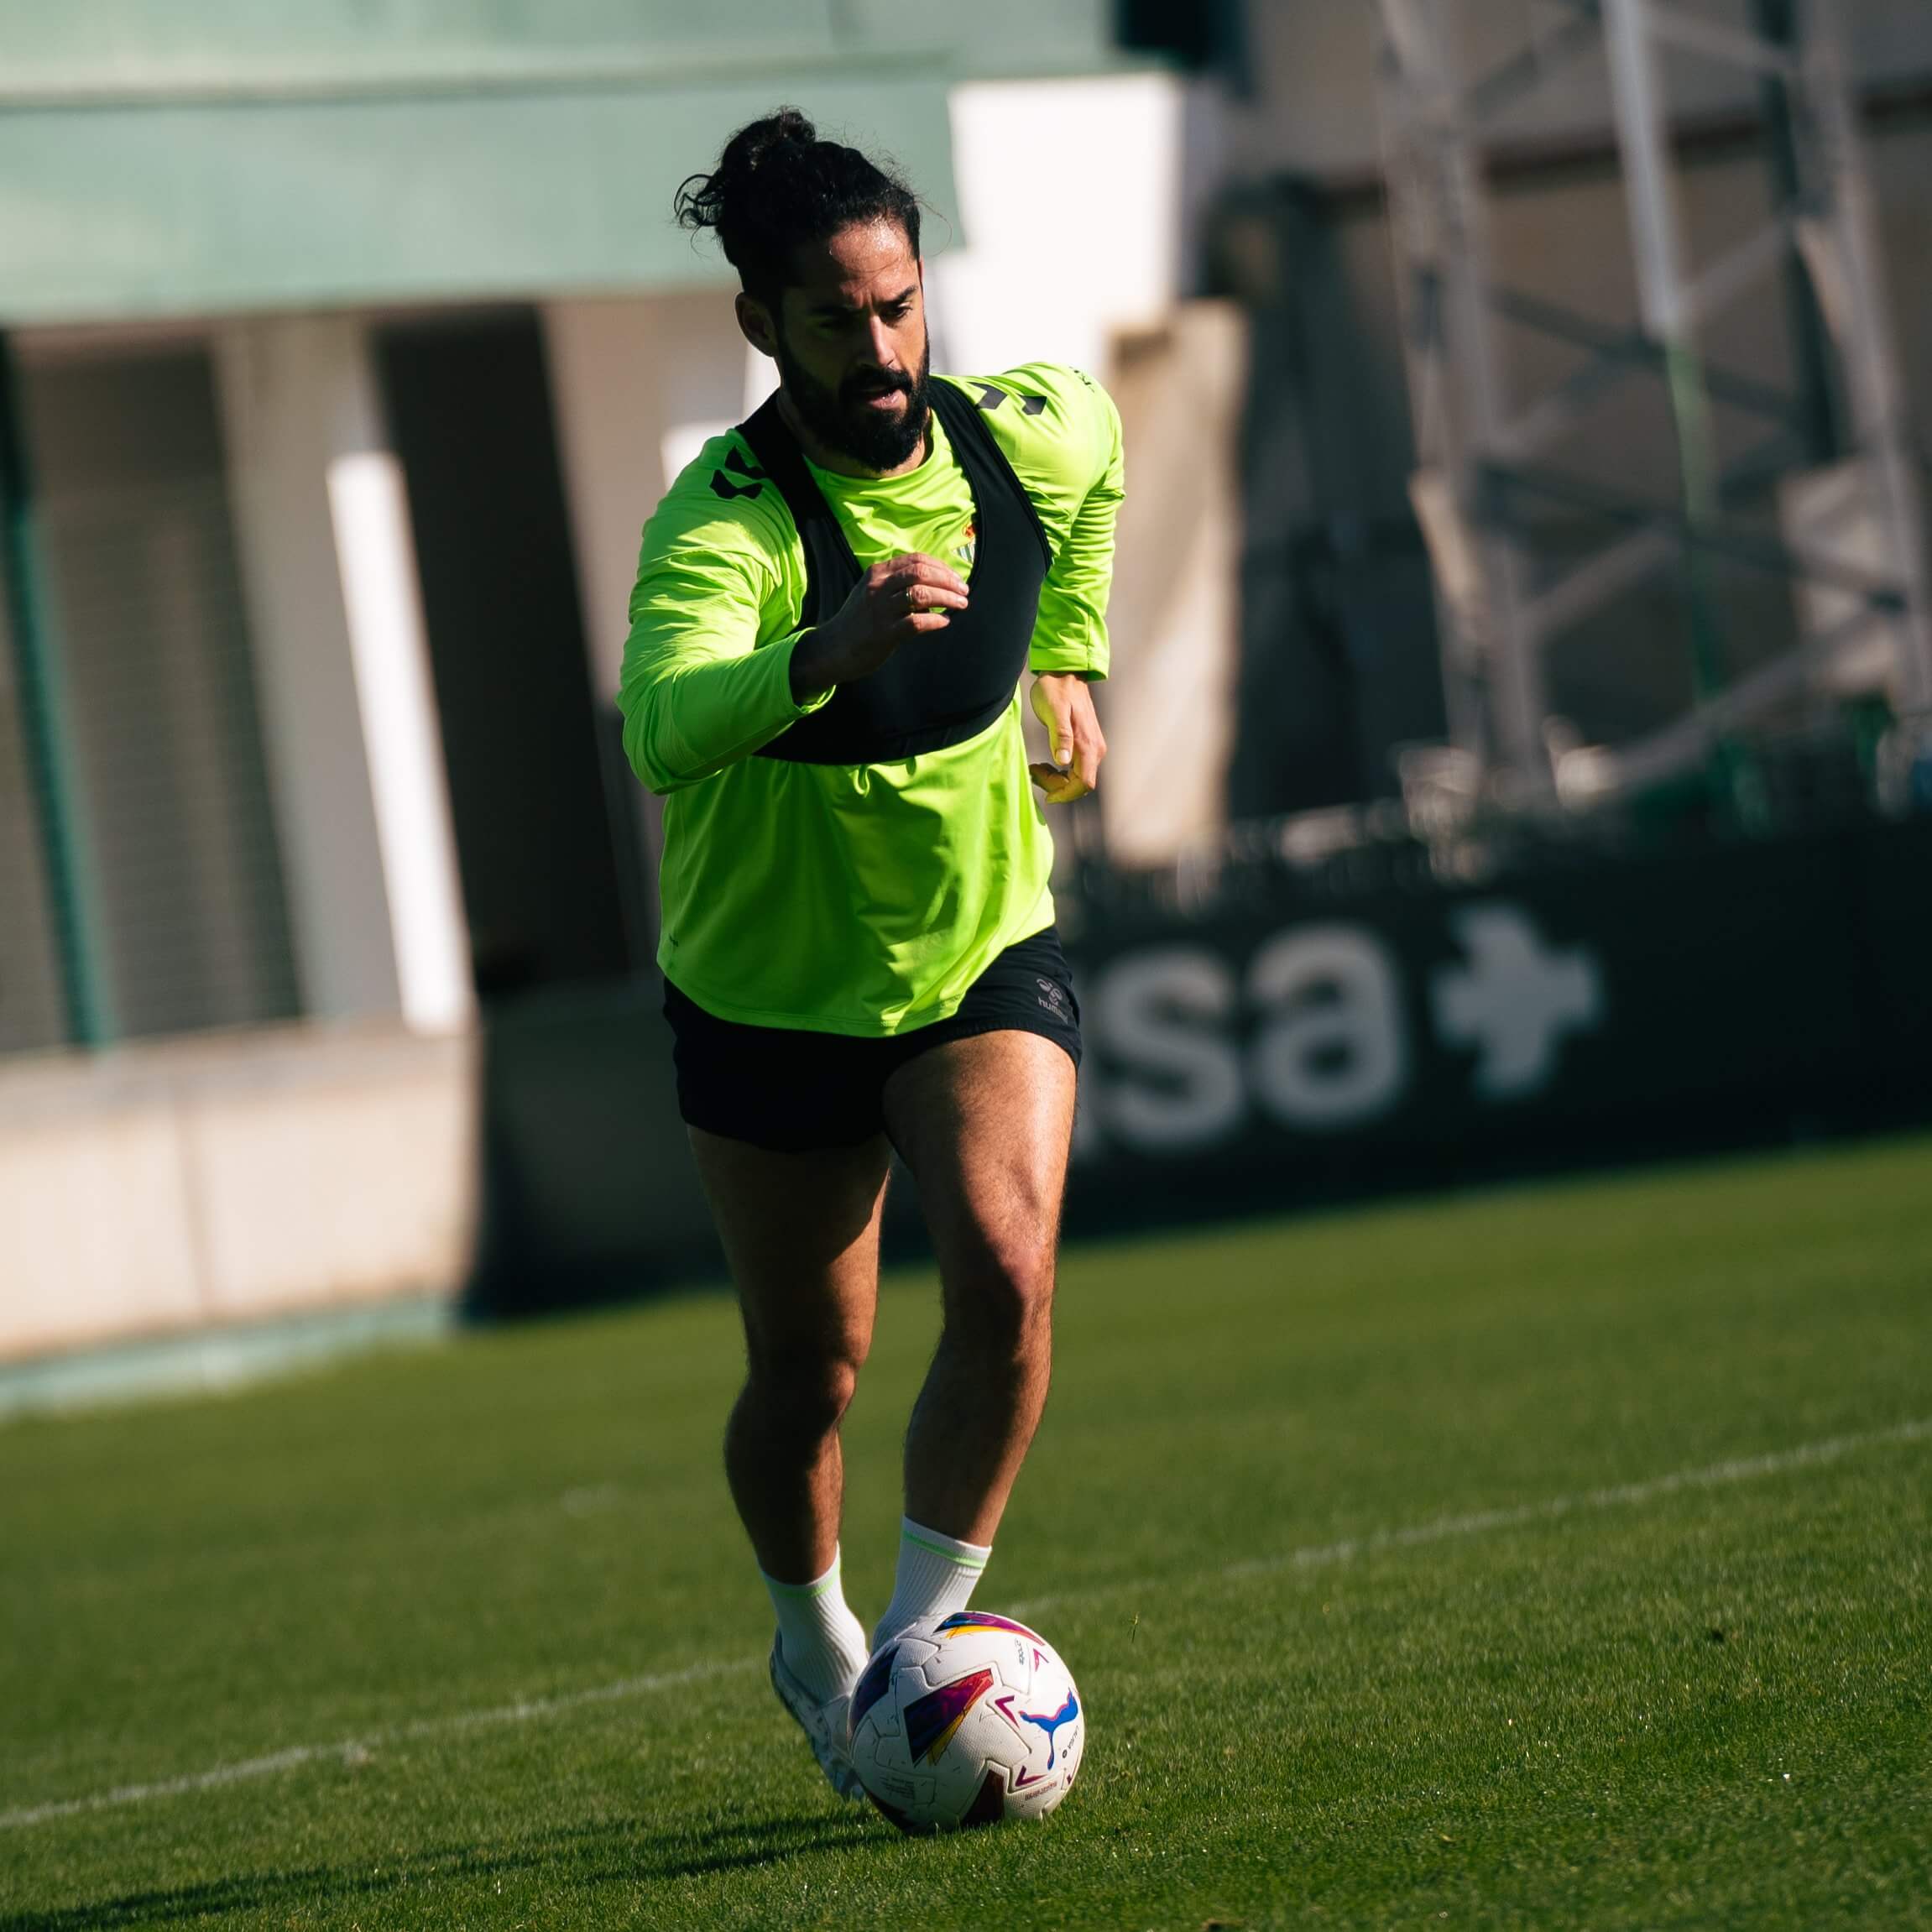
column 722, row 484
column 991, row 395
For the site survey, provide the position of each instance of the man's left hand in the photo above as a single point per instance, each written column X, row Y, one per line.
column 1063, row 704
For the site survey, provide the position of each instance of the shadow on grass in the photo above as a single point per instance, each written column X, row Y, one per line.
column 620, row 1851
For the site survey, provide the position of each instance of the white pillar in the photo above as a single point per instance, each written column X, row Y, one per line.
column 1168, row 707
column 1075, row 197
column 636, row 385
column 354, row 754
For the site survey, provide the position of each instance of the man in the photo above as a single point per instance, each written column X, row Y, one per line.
column 835, row 606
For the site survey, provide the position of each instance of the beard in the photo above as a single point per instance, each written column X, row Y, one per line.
column 841, row 419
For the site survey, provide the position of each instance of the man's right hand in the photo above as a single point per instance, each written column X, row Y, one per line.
column 894, row 602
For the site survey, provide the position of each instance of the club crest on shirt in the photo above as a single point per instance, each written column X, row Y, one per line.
column 967, row 550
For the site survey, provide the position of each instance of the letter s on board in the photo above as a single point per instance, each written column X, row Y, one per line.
column 1164, row 1016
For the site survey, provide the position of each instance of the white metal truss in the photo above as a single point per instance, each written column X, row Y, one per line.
column 1477, row 459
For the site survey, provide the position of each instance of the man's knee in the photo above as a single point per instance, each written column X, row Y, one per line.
column 803, row 1393
column 1000, row 1300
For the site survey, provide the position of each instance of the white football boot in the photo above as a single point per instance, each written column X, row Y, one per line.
column 824, row 1725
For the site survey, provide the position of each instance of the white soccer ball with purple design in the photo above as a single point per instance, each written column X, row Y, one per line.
column 964, row 1720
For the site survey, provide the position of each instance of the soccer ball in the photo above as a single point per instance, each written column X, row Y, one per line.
column 964, row 1720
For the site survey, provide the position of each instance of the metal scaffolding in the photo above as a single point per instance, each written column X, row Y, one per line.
column 1482, row 457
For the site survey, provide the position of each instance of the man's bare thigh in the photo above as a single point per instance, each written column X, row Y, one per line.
column 985, row 1125
column 800, row 1232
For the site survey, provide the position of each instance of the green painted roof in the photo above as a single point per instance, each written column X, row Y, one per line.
column 222, row 155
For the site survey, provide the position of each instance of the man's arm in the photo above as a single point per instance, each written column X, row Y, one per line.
column 696, row 691
column 1088, row 477
column 1070, row 646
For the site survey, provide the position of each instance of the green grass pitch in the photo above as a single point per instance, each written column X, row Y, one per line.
column 1557, row 1556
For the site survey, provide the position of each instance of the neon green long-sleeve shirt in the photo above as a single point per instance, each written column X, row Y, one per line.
column 851, row 899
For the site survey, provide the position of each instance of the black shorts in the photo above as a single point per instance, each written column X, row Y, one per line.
column 787, row 1088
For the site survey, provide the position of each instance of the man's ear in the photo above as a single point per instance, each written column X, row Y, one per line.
column 755, row 322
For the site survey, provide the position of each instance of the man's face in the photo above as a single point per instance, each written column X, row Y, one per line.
column 851, row 345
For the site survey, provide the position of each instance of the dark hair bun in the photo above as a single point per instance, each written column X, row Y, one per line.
column 751, row 144
column 777, row 185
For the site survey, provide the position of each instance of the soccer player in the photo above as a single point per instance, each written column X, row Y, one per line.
column 835, row 606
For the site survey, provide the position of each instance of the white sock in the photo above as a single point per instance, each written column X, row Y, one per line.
column 822, row 1643
column 935, row 1577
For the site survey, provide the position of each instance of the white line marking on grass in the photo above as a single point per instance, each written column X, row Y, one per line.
column 1712, row 1476
column 1617, row 1496
column 354, row 1750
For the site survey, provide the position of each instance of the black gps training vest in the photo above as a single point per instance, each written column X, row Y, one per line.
column 949, row 685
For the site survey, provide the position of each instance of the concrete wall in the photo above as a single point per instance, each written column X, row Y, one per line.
column 223, row 1177
column 227, row 1178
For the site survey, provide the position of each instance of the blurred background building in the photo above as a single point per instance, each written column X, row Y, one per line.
column 348, row 347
